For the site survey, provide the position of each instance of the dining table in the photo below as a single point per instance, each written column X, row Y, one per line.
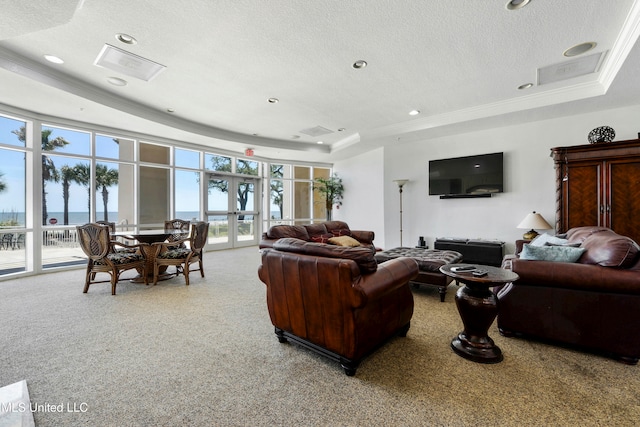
column 146, row 238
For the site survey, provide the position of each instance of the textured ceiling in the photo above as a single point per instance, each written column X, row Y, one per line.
column 458, row 62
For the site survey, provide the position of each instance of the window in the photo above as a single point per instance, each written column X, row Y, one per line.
column 66, row 141
column 217, row 163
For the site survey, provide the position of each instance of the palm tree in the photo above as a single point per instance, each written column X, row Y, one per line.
column 3, row 185
column 67, row 175
column 49, row 171
column 105, row 178
column 83, row 177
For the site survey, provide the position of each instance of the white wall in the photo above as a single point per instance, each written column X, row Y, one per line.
column 529, row 180
column 363, row 201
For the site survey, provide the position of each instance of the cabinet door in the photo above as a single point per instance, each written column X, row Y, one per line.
column 583, row 196
column 623, row 208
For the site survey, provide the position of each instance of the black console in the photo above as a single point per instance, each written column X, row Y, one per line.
column 487, row 252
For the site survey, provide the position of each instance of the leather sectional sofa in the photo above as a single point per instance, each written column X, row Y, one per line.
column 319, row 233
column 336, row 300
column 592, row 304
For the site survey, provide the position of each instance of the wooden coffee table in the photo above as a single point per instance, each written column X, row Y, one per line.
column 478, row 308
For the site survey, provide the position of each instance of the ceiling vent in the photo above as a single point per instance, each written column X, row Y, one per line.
column 127, row 63
column 570, row 69
column 316, row 131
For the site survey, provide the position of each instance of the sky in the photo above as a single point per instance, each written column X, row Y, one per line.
column 12, row 165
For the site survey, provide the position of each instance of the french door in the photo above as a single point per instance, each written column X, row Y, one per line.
column 232, row 209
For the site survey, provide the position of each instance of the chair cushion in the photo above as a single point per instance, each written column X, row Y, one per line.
column 177, row 253
column 123, row 258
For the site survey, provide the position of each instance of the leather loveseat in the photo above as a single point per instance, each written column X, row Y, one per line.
column 319, row 233
column 592, row 304
column 336, row 300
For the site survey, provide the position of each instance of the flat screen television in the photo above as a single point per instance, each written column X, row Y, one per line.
column 470, row 176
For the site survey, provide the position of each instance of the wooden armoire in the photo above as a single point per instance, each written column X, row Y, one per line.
column 599, row 184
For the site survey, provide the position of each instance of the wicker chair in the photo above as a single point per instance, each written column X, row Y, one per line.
column 95, row 241
column 181, row 255
column 177, row 224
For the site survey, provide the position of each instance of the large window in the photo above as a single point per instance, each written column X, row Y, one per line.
column 53, row 178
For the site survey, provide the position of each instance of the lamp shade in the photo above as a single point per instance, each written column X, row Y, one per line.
column 401, row 182
column 534, row 220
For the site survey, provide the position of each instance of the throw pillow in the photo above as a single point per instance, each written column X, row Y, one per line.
column 321, row 238
column 344, row 241
column 551, row 253
column 547, row 240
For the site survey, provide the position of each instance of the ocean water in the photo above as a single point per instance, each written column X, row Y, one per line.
column 78, row 218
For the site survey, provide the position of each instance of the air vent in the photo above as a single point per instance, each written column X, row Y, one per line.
column 316, row 131
column 127, row 63
column 570, row 69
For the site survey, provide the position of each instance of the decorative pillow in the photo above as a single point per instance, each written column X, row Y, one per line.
column 322, row 238
column 548, row 240
column 551, row 253
column 344, row 241
column 341, row 232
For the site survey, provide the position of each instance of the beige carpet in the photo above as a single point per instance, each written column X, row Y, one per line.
column 204, row 355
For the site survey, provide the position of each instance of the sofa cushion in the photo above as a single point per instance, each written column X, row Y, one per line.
column 361, row 255
column 341, row 232
column 344, row 241
column 282, row 231
column 609, row 249
column 322, row 238
column 548, row 240
column 579, row 234
column 315, row 229
column 551, row 253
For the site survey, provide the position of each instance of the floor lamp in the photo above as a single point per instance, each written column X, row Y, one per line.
column 401, row 183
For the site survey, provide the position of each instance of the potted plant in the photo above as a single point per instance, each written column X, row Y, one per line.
column 331, row 189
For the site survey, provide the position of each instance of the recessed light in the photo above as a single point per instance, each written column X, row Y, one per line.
column 517, row 4
column 579, row 49
column 170, row 110
column 414, row 112
column 126, row 38
column 359, row 64
column 273, row 100
column 525, row 86
column 320, row 142
column 116, row 81
column 54, row 59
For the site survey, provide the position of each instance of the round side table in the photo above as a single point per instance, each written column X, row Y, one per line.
column 478, row 308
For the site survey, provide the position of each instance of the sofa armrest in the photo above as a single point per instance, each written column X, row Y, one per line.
column 576, row 276
column 363, row 236
column 390, row 276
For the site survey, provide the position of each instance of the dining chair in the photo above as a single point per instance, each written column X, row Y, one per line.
column 102, row 256
column 7, row 241
column 180, row 255
column 177, row 224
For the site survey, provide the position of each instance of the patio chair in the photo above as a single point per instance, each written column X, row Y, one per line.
column 177, row 224
column 178, row 254
column 7, row 241
column 95, row 241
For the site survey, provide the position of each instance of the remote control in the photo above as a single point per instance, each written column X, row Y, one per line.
column 480, row 273
column 463, row 268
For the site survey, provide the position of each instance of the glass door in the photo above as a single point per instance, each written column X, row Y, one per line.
column 232, row 210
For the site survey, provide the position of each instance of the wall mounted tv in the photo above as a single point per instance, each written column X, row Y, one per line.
column 462, row 177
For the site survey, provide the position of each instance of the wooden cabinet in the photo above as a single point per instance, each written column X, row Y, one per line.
column 599, row 184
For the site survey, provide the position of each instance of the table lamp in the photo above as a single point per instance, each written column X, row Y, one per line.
column 532, row 221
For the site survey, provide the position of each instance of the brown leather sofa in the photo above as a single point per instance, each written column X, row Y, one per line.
column 319, row 232
column 592, row 304
column 336, row 300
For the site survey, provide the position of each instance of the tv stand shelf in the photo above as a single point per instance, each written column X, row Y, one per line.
column 487, row 252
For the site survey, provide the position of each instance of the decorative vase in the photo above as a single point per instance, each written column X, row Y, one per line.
column 601, row 134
